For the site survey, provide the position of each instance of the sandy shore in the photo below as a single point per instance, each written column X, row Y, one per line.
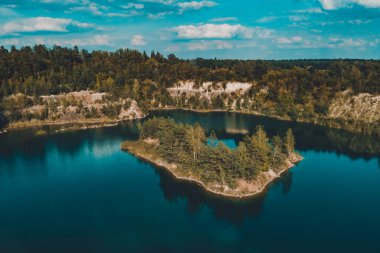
column 35, row 123
column 261, row 183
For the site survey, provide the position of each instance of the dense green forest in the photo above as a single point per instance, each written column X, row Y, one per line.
column 39, row 70
column 209, row 159
column 293, row 88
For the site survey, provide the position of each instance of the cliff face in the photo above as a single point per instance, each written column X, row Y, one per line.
column 362, row 107
column 75, row 106
column 208, row 89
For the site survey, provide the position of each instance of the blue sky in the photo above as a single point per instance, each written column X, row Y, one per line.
column 244, row 29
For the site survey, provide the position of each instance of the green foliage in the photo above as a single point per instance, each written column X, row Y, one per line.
column 92, row 112
column 276, row 148
column 298, row 89
column 217, row 103
column 289, row 142
column 259, row 149
column 39, row 70
column 110, row 110
column 3, row 120
column 209, row 158
column 195, row 137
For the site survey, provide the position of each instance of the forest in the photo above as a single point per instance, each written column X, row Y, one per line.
column 294, row 88
column 209, row 159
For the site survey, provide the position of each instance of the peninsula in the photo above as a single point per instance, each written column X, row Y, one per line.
column 187, row 153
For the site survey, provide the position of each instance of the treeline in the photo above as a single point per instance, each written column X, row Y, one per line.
column 210, row 159
column 296, row 89
column 39, row 70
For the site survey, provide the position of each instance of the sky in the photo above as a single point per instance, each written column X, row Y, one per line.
column 238, row 29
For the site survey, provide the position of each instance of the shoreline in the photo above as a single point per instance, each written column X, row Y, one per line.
column 333, row 123
column 160, row 163
column 30, row 124
column 224, row 110
column 323, row 122
column 72, row 124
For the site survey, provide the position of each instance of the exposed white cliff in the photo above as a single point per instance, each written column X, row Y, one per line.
column 364, row 107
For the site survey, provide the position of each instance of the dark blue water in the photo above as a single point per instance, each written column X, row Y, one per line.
column 77, row 192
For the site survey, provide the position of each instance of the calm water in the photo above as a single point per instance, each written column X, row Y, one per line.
column 77, row 192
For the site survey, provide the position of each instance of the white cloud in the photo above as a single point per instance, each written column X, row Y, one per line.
column 346, row 42
column 91, row 7
column 298, row 42
column 248, row 44
column 159, row 15
column 166, row 2
column 212, row 31
column 336, row 4
column 262, row 33
column 173, row 48
column 133, row 6
column 266, row 19
column 224, row 19
column 359, row 21
column 341, row 22
column 46, row 24
column 207, row 45
column 11, row 6
column 285, row 40
column 352, row 43
column 298, row 18
column 375, row 42
column 138, row 40
column 60, row 1
column 97, row 40
column 310, row 10
column 194, row 5
column 131, row 13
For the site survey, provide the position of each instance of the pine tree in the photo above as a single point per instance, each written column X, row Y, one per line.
column 259, row 149
column 289, row 142
column 195, row 137
column 276, row 147
column 243, row 159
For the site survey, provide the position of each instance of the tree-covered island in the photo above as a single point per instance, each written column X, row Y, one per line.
column 189, row 154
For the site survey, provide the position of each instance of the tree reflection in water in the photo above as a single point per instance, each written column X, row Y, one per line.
column 231, row 209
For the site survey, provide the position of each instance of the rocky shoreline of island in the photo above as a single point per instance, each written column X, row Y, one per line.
column 257, row 186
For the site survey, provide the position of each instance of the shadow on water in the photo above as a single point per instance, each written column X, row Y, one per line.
column 233, row 210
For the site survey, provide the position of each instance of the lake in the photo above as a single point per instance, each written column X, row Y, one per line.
column 78, row 192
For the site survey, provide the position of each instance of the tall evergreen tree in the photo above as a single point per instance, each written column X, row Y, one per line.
column 196, row 137
column 289, row 142
column 276, row 147
column 259, row 149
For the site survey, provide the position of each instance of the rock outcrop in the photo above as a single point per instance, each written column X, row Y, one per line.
column 75, row 106
column 208, row 89
column 361, row 107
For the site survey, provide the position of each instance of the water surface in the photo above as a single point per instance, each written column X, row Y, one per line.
column 78, row 192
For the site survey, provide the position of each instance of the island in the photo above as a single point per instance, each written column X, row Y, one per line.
column 187, row 153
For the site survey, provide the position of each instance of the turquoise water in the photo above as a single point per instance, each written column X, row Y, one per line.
column 78, row 192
